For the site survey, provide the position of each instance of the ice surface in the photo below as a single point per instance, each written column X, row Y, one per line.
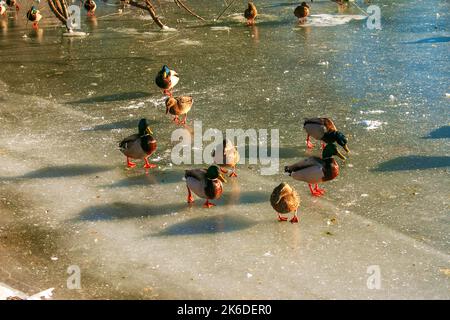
column 65, row 191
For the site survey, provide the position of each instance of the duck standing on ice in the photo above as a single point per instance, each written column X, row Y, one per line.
column 34, row 15
column 13, row 3
column 250, row 14
column 178, row 106
column 301, row 12
column 226, row 155
column 284, row 199
column 206, row 184
column 166, row 79
column 90, row 6
column 324, row 129
column 314, row 170
column 139, row 146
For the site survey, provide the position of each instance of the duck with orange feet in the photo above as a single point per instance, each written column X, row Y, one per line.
column 205, row 183
column 315, row 170
column 34, row 15
column 166, row 79
column 250, row 14
column 178, row 106
column 139, row 146
column 226, row 155
column 324, row 129
column 284, row 199
column 90, row 7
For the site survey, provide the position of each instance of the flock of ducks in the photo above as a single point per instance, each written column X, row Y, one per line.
column 34, row 14
column 208, row 183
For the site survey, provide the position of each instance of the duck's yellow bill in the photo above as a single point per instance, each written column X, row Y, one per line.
column 222, row 178
column 149, row 131
column 346, row 148
column 340, row 155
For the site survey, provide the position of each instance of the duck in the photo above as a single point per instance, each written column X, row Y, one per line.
column 13, row 3
column 314, row 170
column 250, row 14
column 34, row 15
column 140, row 145
column 302, row 11
column 178, row 106
column 324, row 129
column 90, row 6
column 284, row 199
column 226, row 154
column 166, row 79
column 205, row 183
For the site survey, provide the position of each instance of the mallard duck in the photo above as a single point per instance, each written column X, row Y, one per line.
column 90, row 6
column 226, row 155
column 2, row 9
column 206, row 184
column 166, row 79
column 250, row 14
column 325, row 130
column 284, row 199
column 139, row 146
column 301, row 12
column 34, row 15
column 178, row 106
column 314, row 170
column 13, row 3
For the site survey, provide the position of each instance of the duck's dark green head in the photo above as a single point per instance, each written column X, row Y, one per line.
column 214, row 173
column 331, row 150
column 341, row 140
column 165, row 71
column 144, row 128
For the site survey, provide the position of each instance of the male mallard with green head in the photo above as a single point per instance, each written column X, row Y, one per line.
column 139, row 146
column 314, row 170
column 284, row 199
column 13, row 3
column 178, row 106
column 226, row 154
column 325, row 130
column 250, row 14
column 206, row 184
column 90, row 6
column 301, row 12
column 166, row 79
column 34, row 15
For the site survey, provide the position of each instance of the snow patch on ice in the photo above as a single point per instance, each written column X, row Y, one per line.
column 220, row 28
column 372, row 124
column 188, row 42
column 330, row 20
column 372, row 112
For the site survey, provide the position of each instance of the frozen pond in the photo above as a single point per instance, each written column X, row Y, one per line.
column 66, row 197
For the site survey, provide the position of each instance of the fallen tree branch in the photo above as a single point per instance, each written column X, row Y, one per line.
column 56, row 11
column 180, row 4
column 149, row 7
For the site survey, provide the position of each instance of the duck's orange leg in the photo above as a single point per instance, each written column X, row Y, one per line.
column 35, row 26
column 294, row 218
column 148, row 165
column 184, row 120
column 176, row 120
column 130, row 164
column 208, row 204
column 233, row 173
column 190, row 198
column 315, row 192
column 280, row 218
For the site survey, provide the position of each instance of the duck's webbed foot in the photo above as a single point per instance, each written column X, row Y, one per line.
column 148, row 165
column 281, row 219
column 208, row 204
column 294, row 218
column 316, row 191
column 309, row 145
column 190, row 198
column 35, row 26
column 130, row 164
